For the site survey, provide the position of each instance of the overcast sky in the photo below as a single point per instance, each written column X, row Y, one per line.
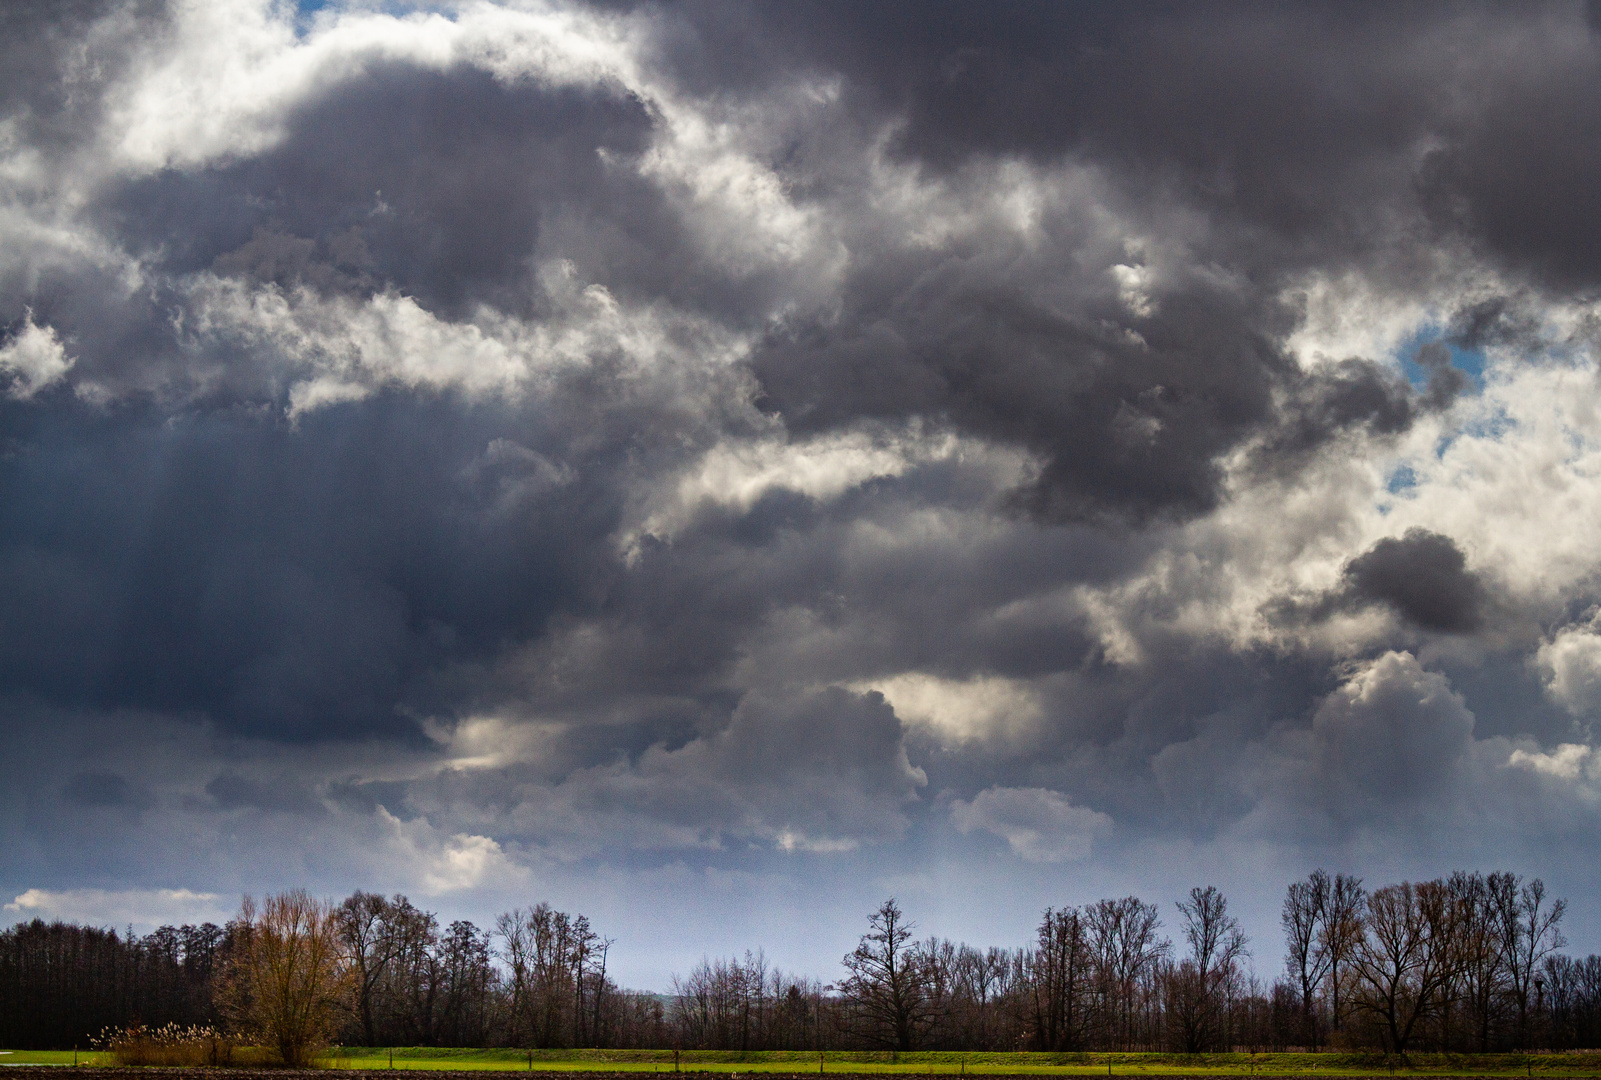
column 713, row 466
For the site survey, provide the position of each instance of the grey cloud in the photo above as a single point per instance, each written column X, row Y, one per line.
column 1445, row 382
column 1066, row 248
column 1349, row 396
column 1125, row 424
column 824, row 771
column 1299, row 122
column 1423, row 576
column 1519, row 174
column 104, row 789
column 271, row 586
column 283, row 794
column 41, row 40
column 366, row 796
column 1039, row 825
column 1394, row 732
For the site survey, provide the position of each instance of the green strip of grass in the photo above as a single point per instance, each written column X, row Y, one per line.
column 945, row 1063
column 53, row 1057
column 940, row 1062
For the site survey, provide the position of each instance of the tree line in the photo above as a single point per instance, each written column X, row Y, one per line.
column 1470, row 962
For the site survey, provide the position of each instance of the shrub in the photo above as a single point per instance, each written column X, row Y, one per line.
column 166, row 1045
column 290, row 979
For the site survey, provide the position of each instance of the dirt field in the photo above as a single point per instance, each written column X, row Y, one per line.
column 86, row 1072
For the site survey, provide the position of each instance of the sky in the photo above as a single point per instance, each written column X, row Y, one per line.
column 714, row 466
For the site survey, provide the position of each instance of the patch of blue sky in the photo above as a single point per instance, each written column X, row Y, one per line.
column 1469, row 361
column 1402, row 478
column 307, row 11
column 1492, row 424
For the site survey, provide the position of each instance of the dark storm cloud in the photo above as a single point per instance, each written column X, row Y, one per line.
column 1424, row 577
column 1296, row 131
column 267, row 576
column 434, row 183
column 1305, row 125
column 1282, row 117
column 1521, row 173
column 104, row 789
column 931, row 431
column 319, row 579
column 1124, row 425
column 52, row 64
column 1421, row 576
column 284, row 794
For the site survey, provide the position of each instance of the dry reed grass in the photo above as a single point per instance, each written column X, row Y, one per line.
column 169, row 1044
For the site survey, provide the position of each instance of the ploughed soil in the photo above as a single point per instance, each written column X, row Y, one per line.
column 87, row 1072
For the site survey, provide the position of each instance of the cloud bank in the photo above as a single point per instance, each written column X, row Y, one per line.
column 516, row 450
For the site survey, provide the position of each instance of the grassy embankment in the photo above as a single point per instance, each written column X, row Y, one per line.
column 652, row 1061
column 53, row 1057
column 944, row 1063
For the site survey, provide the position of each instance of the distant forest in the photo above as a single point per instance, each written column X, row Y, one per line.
column 1466, row 963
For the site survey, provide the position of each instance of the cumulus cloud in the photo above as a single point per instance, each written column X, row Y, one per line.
column 1423, row 576
column 959, row 710
column 523, row 444
column 145, row 908
column 1570, row 761
column 34, row 357
column 813, row 772
column 1571, row 665
column 1039, row 825
column 1392, row 732
column 437, row 864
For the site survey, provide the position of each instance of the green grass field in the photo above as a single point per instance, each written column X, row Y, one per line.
column 918, row 1064
column 946, row 1063
column 52, row 1057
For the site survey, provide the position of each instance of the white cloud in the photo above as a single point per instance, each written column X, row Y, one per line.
column 102, row 907
column 737, row 473
column 1569, row 761
column 1570, row 663
column 1040, row 825
column 340, row 349
column 34, row 358
column 959, row 710
column 1132, row 284
column 223, row 81
column 439, row 863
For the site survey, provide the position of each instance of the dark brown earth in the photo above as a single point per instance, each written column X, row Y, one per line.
column 86, row 1072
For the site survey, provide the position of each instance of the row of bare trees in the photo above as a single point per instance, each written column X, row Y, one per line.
column 295, row 973
column 1468, row 962
column 1456, row 963
column 747, row 1005
column 1099, row 976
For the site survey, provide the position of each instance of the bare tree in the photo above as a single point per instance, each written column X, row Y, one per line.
column 416, row 975
column 1123, row 940
column 1061, row 976
column 1198, row 988
column 1306, row 912
column 1481, row 972
column 1341, row 935
column 1407, row 956
column 1530, row 931
column 291, row 976
column 366, row 930
column 886, row 983
column 557, row 967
